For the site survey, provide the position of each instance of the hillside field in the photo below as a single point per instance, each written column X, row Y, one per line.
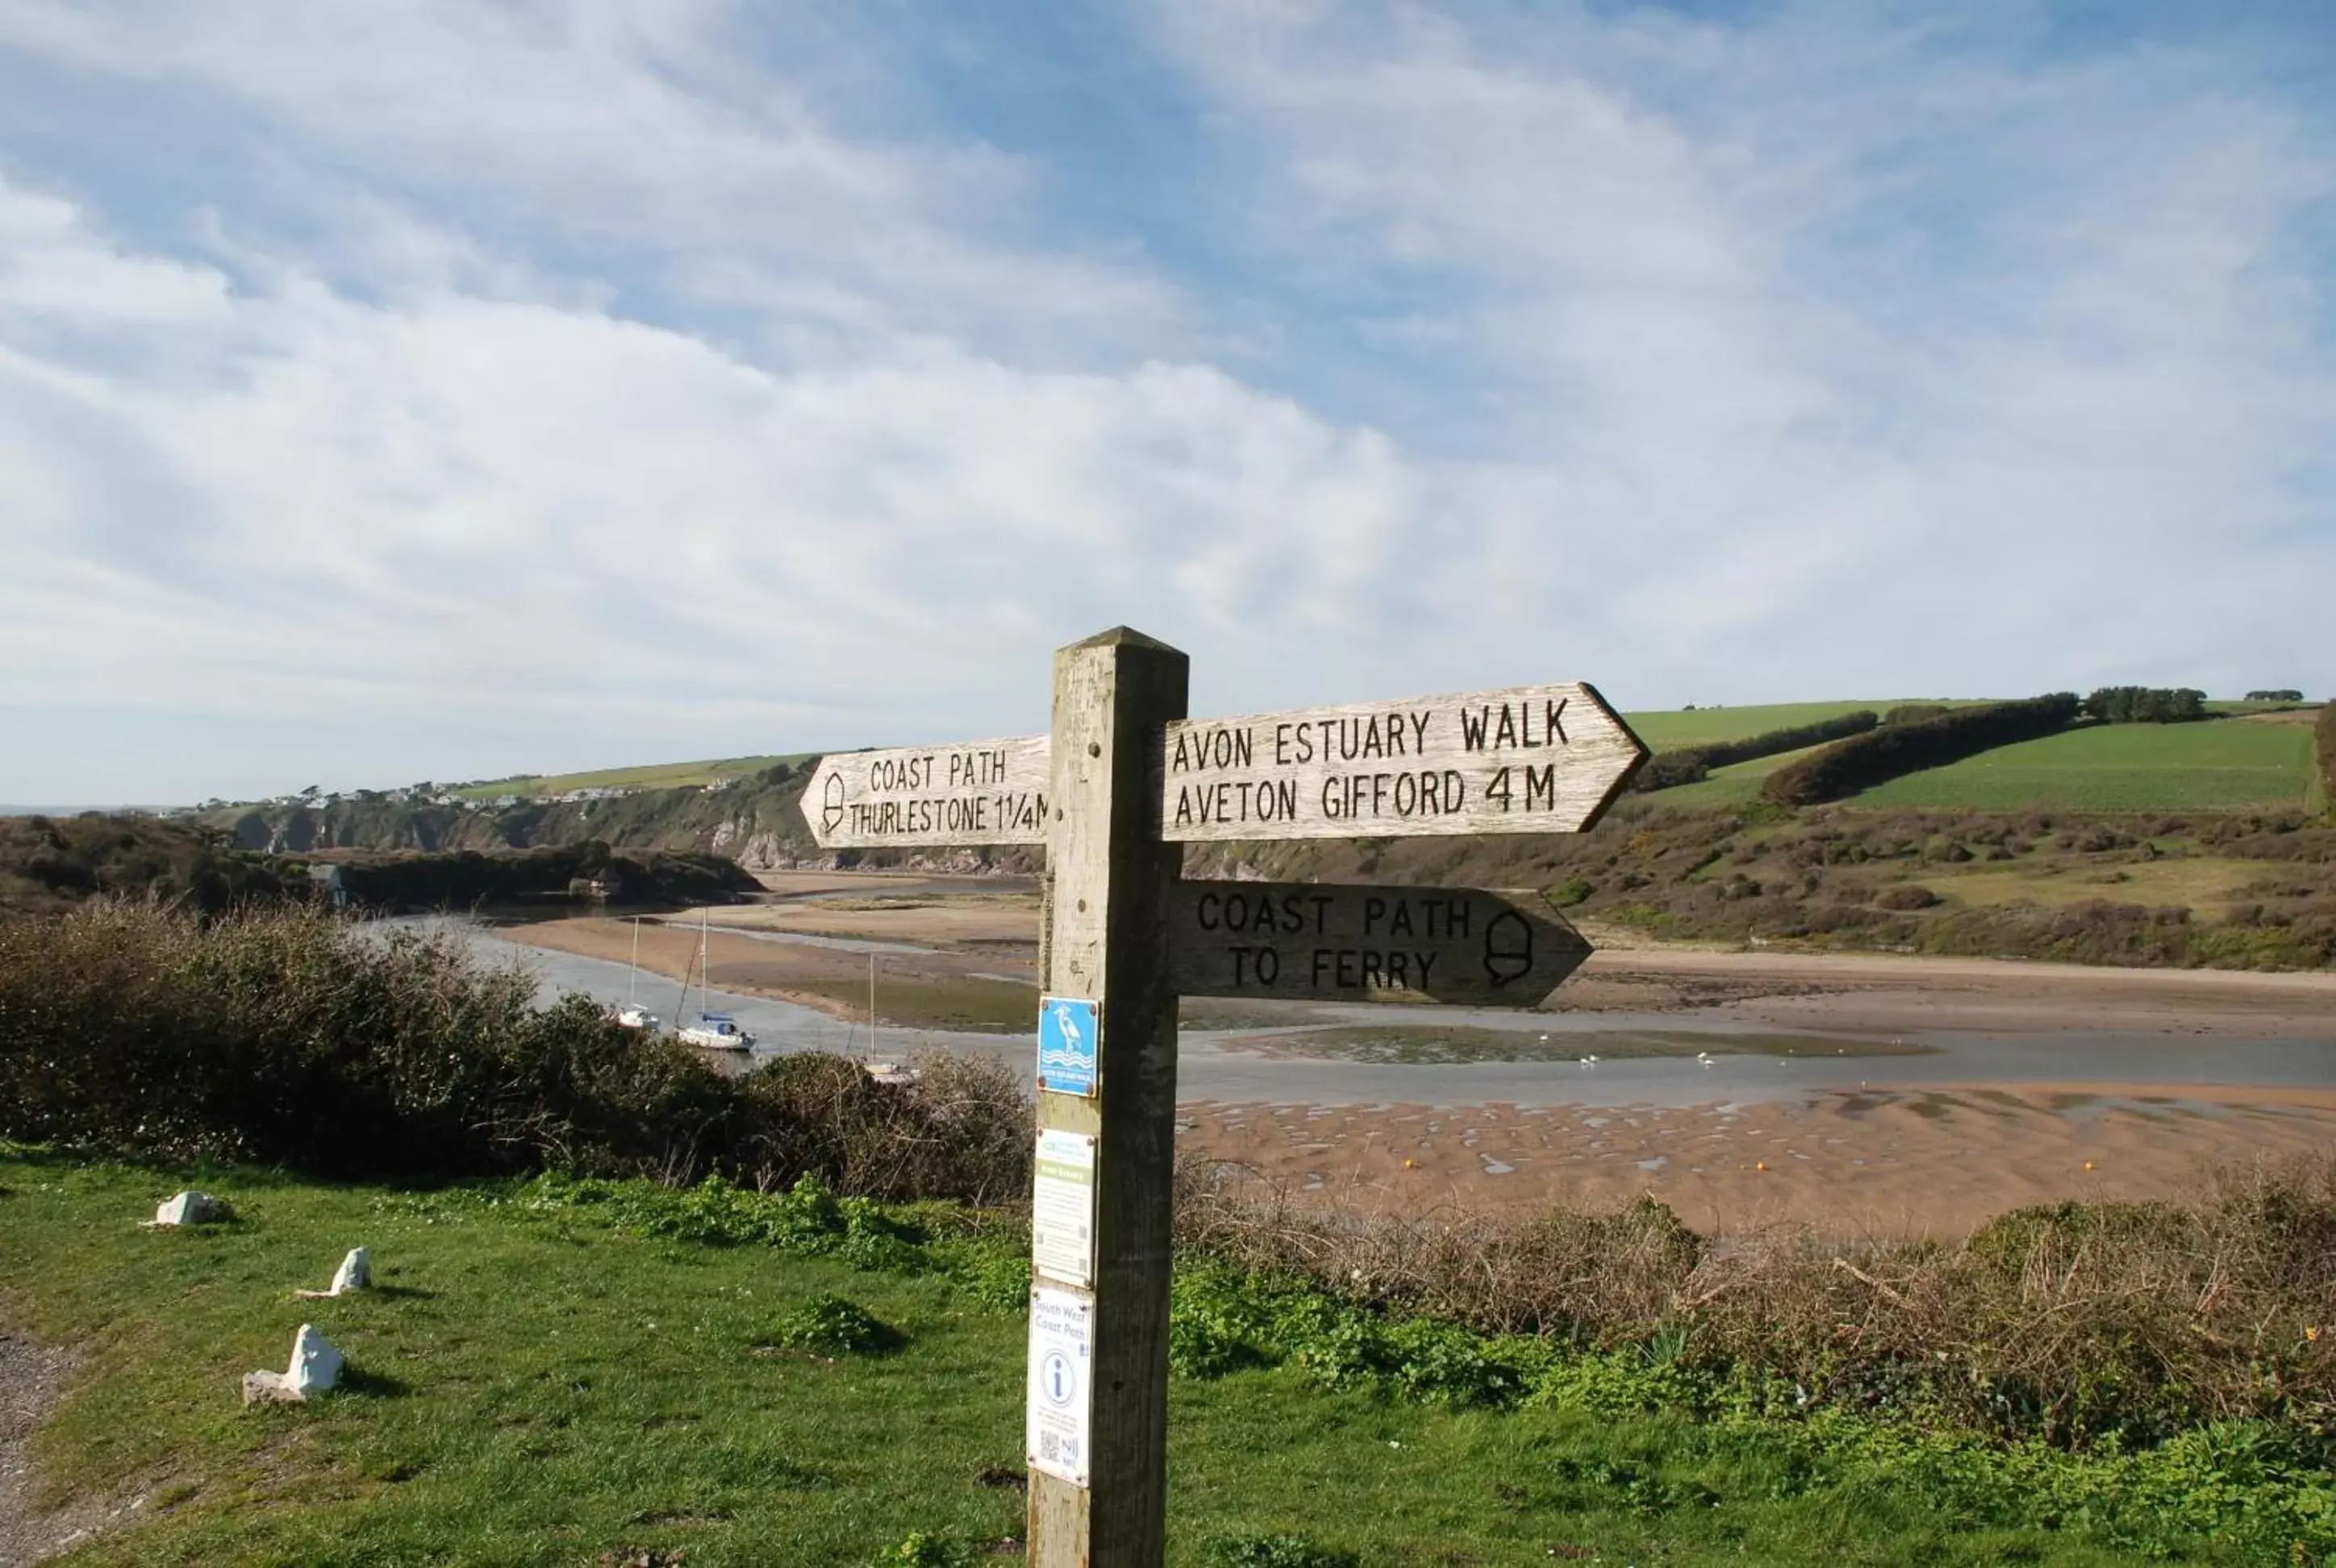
column 2220, row 765
column 651, row 775
column 1675, row 730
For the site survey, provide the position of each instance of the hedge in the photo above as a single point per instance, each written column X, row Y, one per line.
column 1882, row 754
column 2326, row 731
column 289, row 1036
column 1666, row 769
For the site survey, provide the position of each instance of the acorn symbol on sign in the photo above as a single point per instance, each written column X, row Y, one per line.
column 831, row 808
column 1508, row 948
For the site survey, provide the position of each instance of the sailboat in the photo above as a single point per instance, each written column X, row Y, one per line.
column 632, row 1014
column 882, row 1072
column 715, row 1031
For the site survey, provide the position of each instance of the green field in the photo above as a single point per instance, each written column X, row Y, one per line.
column 2220, row 765
column 1675, row 730
column 536, row 1383
column 1734, row 785
column 654, row 775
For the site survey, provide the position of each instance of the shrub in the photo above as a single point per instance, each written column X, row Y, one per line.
column 830, row 1326
column 2077, row 1324
column 1916, row 712
column 464, row 878
column 1882, row 754
column 1906, row 896
column 926, row 1549
column 1665, row 770
column 2324, row 732
column 1276, row 1552
column 294, row 1035
column 53, row 861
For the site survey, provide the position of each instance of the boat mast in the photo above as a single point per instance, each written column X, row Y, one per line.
column 704, row 969
column 872, row 1005
column 633, row 977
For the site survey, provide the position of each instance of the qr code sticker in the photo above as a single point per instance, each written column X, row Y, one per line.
column 1050, row 1446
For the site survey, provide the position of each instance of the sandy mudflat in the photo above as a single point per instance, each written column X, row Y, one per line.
column 1927, row 1160
column 973, row 988
column 1886, row 993
column 1898, row 1157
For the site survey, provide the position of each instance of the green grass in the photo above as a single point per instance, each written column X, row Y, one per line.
column 535, row 1386
column 2221, row 764
column 1737, row 785
column 654, row 775
column 1673, row 731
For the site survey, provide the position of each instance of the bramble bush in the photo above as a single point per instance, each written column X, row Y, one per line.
column 291, row 1035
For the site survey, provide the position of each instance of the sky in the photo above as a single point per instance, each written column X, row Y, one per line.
column 467, row 387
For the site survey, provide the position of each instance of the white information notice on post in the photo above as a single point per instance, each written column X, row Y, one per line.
column 1062, row 1220
column 1062, row 1384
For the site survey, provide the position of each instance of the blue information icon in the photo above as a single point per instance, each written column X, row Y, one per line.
column 1057, row 1378
column 1068, row 1033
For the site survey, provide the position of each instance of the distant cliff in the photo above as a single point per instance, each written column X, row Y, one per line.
column 49, row 865
column 757, row 822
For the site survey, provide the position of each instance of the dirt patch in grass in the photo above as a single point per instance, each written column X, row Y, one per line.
column 35, row 1523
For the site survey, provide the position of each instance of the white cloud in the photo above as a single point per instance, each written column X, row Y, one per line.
column 660, row 140
column 1797, row 334
column 461, row 505
column 584, row 370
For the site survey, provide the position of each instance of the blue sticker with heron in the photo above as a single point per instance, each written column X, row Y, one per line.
column 1069, row 1030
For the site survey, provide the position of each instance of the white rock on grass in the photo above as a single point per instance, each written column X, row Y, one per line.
column 355, row 1273
column 188, row 1208
column 316, row 1369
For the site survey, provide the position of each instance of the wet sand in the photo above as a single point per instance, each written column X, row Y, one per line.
column 972, row 988
column 1888, row 994
column 1930, row 1161
column 2028, row 1071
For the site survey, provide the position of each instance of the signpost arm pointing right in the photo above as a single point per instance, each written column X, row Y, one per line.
column 1108, row 940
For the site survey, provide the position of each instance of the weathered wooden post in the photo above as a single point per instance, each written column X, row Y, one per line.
column 1120, row 786
column 1102, row 1504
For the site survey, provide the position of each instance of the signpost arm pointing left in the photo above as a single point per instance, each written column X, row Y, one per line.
column 1108, row 940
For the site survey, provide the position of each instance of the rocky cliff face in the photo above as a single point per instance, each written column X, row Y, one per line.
column 757, row 822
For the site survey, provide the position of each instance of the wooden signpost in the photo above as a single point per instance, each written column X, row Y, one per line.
column 1121, row 783
column 1535, row 759
column 983, row 792
column 1326, row 942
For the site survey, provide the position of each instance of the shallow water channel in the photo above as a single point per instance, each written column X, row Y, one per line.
column 1210, row 1068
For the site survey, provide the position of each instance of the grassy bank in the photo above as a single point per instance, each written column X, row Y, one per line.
column 2252, row 763
column 555, row 1372
column 591, row 1354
